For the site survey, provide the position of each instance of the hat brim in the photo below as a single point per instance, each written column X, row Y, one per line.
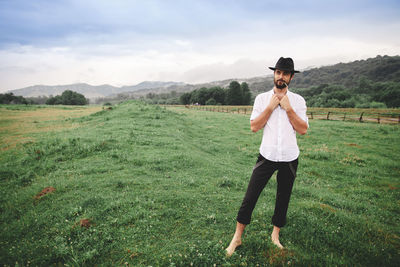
column 294, row 71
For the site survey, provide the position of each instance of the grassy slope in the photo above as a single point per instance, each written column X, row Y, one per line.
column 163, row 186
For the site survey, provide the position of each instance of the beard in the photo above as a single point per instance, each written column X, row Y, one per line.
column 281, row 84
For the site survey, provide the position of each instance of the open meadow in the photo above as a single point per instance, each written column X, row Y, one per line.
column 144, row 185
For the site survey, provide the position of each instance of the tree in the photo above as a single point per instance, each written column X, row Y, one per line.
column 203, row 94
column 68, row 97
column 246, row 93
column 40, row 100
column 211, row 102
column 218, row 94
column 10, row 98
column 150, row 95
column 234, row 94
column 55, row 100
column 184, row 99
column 194, row 97
column 364, row 85
column 390, row 94
column 6, row 98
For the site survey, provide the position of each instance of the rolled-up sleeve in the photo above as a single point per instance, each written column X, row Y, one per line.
column 302, row 110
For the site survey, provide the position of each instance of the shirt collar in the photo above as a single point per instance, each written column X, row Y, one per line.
column 272, row 91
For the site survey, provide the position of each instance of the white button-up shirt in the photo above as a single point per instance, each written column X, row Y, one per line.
column 279, row 137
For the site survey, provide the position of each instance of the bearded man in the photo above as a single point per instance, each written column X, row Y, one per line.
column 280, row 113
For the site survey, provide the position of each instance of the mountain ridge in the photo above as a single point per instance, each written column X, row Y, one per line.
column 379, row 68
column 89, row 91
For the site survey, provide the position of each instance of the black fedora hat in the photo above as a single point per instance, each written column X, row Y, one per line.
column 285, row 64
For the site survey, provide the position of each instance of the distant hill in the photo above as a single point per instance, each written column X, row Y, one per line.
column 89, row 91
column 149, row 85
column 378, row 69
column 370, row 83
column 258, row 84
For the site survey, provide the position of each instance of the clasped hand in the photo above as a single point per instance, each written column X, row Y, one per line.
column 279, row 100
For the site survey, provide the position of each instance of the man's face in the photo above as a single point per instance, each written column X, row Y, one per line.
column 281, row 77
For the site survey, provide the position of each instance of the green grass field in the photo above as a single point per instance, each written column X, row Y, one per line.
column 145, row 185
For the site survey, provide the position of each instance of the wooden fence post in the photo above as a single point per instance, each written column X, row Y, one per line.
column 327, row 116
column 379, row 119
column 344, row 117
column 312, row 117
column 362, row 113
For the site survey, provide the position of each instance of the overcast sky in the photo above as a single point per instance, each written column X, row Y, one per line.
column 121, row 42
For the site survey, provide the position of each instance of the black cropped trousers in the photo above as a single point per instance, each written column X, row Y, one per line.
column 262, row 172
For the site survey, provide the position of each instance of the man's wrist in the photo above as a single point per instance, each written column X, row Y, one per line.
column 289, row 109
column 269, row 109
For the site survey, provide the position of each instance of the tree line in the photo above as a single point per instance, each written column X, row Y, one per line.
column 68, row 97
column 367, row 94
column 235, row 94
column 10, row 98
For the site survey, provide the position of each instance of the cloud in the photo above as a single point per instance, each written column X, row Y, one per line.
column 55, row 23
column 187, row 61
column 125, row 42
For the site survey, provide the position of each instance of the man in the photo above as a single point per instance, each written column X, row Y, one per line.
column 281, row 114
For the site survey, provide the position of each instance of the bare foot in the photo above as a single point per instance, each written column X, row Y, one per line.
column 275, row 240
column 232, row 247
